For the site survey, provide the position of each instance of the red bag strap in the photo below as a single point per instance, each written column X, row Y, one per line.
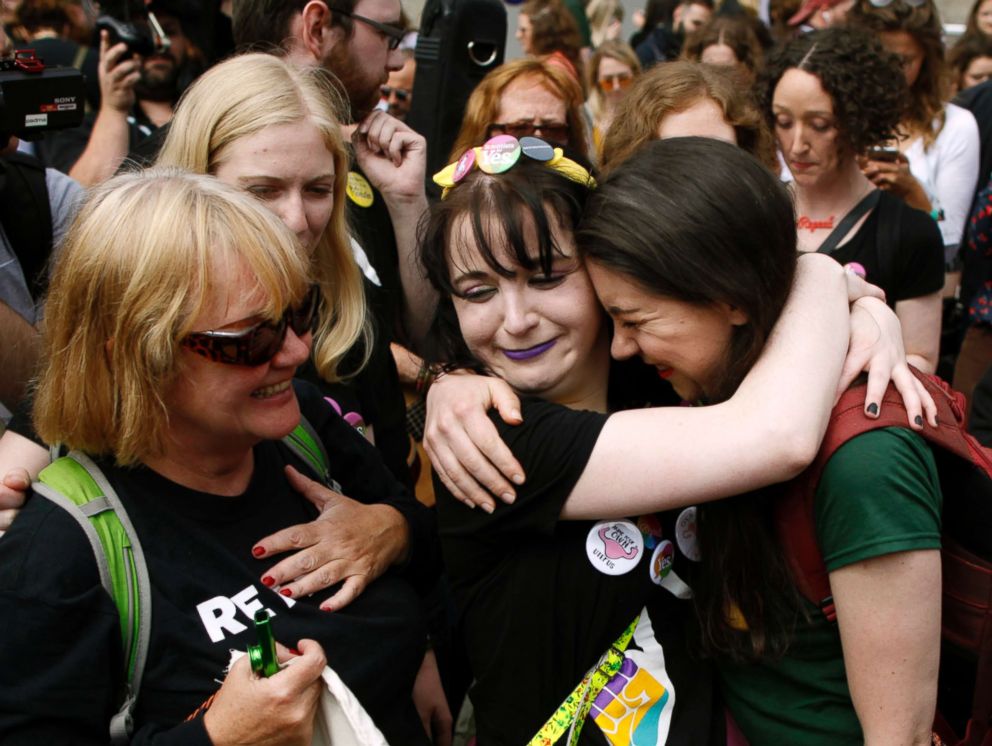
column 794, row 513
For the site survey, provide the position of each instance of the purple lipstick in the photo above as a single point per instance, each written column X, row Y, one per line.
column 530, row 352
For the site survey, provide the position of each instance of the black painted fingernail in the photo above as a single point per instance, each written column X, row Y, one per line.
column 919, row 420
column 873, row 409
column 936, row 420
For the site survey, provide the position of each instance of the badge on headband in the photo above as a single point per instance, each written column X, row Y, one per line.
column 499, row 154
column 536, row 149
column 464, row 165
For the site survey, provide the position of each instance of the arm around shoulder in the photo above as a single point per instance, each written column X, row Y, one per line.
column 769, row 431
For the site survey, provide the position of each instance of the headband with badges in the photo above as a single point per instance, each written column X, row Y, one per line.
column 501, row 153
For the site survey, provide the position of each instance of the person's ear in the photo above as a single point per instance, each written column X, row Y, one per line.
column 318, row 35
column 677, row 16
column 735, row 316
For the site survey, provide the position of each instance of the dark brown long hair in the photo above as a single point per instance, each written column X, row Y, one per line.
column 702, row 221
column 925, row 110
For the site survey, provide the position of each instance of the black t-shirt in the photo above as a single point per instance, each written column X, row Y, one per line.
column 378, row 385
column 60, row 661
column 914, row 268
column 536, row 614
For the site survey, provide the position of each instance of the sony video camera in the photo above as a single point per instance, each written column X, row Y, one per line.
column 35, row 98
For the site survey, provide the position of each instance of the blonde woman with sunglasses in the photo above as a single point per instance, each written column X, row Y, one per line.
column 168, row 359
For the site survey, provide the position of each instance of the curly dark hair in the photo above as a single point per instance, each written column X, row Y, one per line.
column 864, row 81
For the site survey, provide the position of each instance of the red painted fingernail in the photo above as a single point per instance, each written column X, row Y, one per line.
column 286, row 592
column 258, row 551
column 268, row 582
column 294, row 651
column 327, row 608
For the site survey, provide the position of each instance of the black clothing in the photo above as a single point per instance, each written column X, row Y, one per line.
column 914, row 267
column 26, row 217
column 978, row 100
column 535, row 612
column 981, row 410
column 63, row 148
column 660, row 45
column 60, row 664
column 378, row 385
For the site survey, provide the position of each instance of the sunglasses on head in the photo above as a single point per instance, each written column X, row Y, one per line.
column 401, row 93
column 260, row 342
column 555, row 132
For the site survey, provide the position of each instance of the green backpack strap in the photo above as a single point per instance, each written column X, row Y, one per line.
column 77, row 485
column 307, row 445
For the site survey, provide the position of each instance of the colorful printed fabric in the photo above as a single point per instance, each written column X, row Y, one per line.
column 979, row 246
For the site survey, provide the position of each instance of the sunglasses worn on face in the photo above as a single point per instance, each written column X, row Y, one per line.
column 260, row 342
column 620, row 80
column 555, row 132
column 401, row 93
column 887, row 3
column 394, row 34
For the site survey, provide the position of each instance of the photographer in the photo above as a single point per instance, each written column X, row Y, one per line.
column 137, row 96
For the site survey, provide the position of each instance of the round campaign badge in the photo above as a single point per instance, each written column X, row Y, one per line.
column 536, row 149
column 359, row 190
column 499, row 154
column 464, row 165
column 686, row 536
column 614, row 547
column 661, row 561
column 856, row 268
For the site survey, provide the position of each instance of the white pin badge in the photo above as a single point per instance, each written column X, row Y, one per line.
column 614, row 547
column 686, row 534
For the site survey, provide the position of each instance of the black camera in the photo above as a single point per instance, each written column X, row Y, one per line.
column 141, row 40
column 35, row 98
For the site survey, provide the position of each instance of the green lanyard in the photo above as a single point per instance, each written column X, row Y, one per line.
column 577, row 704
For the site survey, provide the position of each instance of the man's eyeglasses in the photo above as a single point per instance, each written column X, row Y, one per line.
column 260, row 342
column 401, row 93
column 394, row 34
column 555, row 132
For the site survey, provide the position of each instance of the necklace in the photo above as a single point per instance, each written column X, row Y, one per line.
column 806, row 223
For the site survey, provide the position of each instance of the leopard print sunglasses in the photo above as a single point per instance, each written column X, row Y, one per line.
column 260, row 342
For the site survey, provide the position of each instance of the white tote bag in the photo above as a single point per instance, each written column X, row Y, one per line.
column 341, row 720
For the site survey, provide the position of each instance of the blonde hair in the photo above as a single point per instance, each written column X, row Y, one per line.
column 484, row 103
column 614, row 50
column 125, row 292
column 242, row 96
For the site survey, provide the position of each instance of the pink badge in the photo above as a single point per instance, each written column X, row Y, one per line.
column 464, row 165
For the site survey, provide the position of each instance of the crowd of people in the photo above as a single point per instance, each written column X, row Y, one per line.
column 645, row 279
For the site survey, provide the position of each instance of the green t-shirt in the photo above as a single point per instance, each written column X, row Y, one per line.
column 879, row 494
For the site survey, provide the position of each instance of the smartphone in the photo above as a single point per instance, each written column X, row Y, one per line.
column 888, row 153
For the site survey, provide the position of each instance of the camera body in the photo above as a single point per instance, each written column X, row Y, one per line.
column 35, row 98
column 141, row 41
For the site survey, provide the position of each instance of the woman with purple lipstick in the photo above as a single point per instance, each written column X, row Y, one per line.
column 572, row 596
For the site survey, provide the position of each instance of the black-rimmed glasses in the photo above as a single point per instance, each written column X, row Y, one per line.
column 394, row 34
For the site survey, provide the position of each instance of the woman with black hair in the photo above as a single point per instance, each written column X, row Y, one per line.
column 833, row 97
column 585, row 559
column 788, row 674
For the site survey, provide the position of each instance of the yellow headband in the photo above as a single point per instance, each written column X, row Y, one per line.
column 503, row 152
